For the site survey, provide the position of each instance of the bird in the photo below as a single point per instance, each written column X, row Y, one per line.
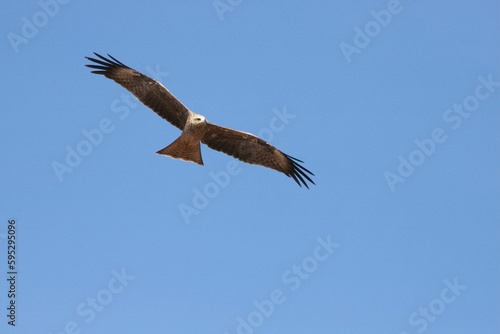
column 195, row 128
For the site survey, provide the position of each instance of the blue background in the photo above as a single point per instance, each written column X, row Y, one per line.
column 355, row 118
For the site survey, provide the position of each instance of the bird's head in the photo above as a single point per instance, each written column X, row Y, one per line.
column 197, row 119
column 196, row 126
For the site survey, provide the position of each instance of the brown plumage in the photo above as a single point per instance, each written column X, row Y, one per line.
column 195, row 128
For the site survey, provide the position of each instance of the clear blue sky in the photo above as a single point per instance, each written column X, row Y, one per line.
column 393, row 105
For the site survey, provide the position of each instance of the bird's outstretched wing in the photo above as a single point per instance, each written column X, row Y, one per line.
column 150, row 92
column 253, row 150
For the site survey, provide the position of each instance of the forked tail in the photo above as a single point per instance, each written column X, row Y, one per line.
column 182, row 149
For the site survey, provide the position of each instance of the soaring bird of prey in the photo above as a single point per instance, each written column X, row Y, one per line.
column 195, row 128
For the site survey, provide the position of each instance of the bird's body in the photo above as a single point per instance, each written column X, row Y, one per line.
column 187, row 146
column 195, row 128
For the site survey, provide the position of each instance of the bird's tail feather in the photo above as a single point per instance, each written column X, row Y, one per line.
column 181, row 149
